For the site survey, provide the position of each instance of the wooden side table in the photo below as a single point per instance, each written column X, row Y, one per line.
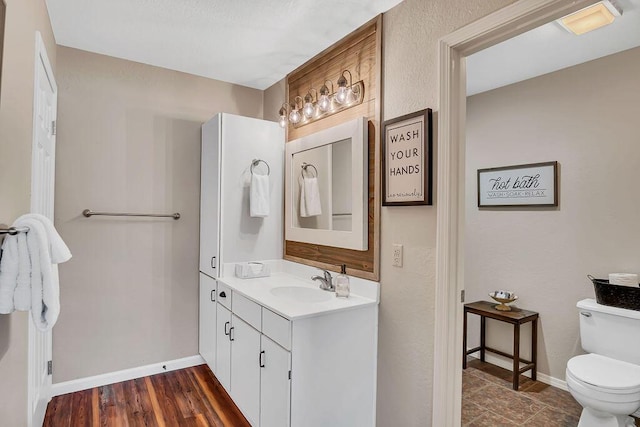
column 516, row 317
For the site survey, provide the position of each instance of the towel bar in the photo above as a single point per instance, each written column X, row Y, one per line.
column 13, row 230
column 88, row 213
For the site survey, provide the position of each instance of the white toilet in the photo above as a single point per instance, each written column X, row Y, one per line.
column 606, row 382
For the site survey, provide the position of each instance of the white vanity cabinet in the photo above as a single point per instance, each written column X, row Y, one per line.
column 252, row 367
column 207, row 320
column 310, row 369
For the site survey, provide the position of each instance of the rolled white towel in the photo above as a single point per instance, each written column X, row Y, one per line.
column 624, row 279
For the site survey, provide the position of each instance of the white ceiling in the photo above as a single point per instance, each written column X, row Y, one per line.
column 253, row 43
column 550, row 48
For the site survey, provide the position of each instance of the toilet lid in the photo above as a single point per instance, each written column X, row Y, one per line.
column 604, row 372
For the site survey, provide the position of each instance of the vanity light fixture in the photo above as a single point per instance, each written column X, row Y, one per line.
column 345, row 93
column 309, row 108
column 324, row 102
column 294, row 115
column 591, row 18
column 283, row 115
column 305, row 111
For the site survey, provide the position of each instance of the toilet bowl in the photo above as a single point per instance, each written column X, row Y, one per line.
column 608, row 390
column 606, row 382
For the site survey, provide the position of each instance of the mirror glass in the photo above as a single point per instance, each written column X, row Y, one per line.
column 330, row 165
column 326, row 187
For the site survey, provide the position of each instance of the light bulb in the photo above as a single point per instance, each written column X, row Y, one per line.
column 283, row 121
column 294, row 116
column 342, row 95
column 308, row 110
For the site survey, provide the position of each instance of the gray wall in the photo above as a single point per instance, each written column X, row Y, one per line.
column 407, row 313
column 585, row 117
column 129, row 141
column 23, row 18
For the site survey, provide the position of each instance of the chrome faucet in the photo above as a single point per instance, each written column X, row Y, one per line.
column 326, row 282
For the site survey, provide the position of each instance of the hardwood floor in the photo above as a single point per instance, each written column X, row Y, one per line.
column 188, row 397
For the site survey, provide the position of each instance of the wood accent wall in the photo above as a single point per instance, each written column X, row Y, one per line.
column 360, row 52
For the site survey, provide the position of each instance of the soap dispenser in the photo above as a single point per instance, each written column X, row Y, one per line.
column 342, row 283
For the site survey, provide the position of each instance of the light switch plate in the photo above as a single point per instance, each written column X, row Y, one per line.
column 397, row 255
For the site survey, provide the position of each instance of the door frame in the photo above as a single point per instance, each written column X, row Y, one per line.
column 501, row 25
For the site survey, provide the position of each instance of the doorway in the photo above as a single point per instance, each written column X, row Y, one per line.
column 497, row 27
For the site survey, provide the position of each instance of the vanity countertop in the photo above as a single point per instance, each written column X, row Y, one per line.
column 275, row 293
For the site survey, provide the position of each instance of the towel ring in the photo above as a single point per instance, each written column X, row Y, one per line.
column 304, row 167
column 256, row 162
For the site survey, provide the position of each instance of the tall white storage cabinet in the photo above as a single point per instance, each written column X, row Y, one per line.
column 228, row 234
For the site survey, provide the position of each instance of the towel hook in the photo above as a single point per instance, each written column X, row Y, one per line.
column 304, row 167
column 256, row 162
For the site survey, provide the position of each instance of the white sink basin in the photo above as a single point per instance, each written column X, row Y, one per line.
column 300, row 294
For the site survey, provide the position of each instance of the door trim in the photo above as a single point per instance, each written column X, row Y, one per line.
column 501, row 25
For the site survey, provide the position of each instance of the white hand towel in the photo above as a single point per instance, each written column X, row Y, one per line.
column 8, row 273
column 43, row 241
column 22, row 295
column 310, row 197
column 259, row 196
column 57, row 248
column 303, row 203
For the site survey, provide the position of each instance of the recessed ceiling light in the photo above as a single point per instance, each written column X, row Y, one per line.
column 591, row 17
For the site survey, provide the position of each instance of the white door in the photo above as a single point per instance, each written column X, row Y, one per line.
column 245, row 369
column 223, row 347
column 207, row 322
column 275, row 384
column 42, row 191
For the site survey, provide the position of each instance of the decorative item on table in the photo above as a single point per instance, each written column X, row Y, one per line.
column 504, row 298
column 615, row 294
column 250, row 270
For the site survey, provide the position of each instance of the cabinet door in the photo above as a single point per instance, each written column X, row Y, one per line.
column 207, row 320
column 209, row 198
column 275, row 385
column 223, row 347
column 245, row 369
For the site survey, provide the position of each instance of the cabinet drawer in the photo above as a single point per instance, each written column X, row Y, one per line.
column 224, row 295
column 247, row 310
column 277, row 328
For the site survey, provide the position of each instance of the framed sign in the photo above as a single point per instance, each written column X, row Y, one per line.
column 407, row 160
column 535, row 184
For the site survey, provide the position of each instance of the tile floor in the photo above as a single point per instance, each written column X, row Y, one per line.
column 488, row 400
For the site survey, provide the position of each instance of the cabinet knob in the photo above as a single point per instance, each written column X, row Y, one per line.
column 213, row 297
column 225, row 328
column 213, row 262
column 261, row 360
column 231, row 333
column 223, row 295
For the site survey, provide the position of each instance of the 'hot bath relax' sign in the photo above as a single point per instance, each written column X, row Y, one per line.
column 407, row 160
column 523, row 185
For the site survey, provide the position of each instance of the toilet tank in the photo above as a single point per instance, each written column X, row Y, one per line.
column 610, row 331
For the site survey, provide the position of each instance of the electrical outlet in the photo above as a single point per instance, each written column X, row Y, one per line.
column 397, row 255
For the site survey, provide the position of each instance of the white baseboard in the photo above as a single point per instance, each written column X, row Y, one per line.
column 507, row 364
column 65, row 387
